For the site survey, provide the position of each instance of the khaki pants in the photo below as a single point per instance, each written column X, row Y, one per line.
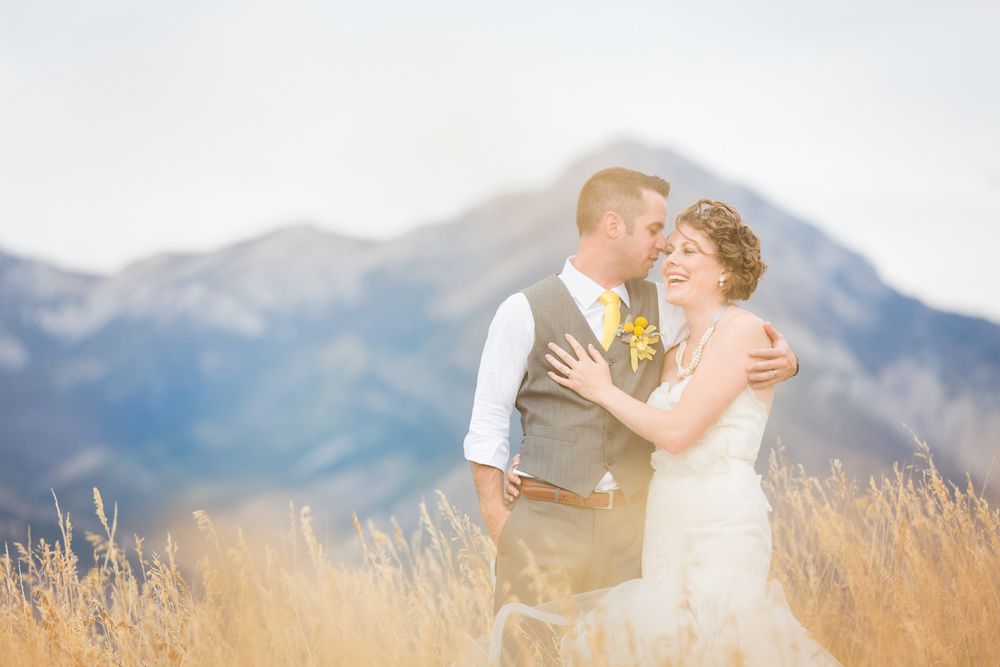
column 548, row 551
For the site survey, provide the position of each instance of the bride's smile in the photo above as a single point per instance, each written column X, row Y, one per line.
column 691, row 271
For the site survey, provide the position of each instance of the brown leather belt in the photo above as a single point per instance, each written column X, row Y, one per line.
column 600, row 500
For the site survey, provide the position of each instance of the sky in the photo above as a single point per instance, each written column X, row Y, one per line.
column 131, row 128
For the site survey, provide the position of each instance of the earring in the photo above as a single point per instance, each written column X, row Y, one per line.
column 721, row 281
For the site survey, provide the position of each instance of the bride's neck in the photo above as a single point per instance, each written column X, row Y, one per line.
column 700, row 318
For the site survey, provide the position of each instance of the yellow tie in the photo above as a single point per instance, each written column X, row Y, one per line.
column 612, row 317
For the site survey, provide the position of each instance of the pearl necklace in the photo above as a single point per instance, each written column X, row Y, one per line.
column 695, row 357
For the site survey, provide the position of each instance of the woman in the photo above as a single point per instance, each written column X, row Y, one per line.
column 703, row 597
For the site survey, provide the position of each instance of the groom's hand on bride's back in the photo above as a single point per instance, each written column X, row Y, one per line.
column 777, row 363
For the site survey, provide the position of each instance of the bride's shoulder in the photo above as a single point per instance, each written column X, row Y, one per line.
column 742, row 326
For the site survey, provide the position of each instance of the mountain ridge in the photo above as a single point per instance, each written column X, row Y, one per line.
column 340, row 371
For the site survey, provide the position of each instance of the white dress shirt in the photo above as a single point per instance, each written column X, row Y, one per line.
column 505, row 361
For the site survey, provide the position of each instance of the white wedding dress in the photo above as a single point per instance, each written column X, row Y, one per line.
column 703, row 598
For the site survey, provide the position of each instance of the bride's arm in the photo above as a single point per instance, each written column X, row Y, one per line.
column 721, row 376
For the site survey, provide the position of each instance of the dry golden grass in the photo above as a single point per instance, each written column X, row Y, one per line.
column 903, row 572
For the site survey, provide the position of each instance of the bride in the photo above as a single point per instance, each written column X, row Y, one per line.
column 703, row 598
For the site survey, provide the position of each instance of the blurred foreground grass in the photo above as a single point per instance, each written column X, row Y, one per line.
column 903, row 571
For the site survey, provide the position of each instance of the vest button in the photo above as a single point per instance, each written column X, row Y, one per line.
column 611, row 362
column 610, row 435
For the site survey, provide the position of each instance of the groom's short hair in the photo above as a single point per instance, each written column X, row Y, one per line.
column 619, row 190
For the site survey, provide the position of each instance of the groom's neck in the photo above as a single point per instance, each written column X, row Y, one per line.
column 598, row 263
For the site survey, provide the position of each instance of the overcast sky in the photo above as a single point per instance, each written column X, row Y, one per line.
column 129, row 128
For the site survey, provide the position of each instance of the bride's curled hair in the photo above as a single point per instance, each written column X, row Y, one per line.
column 737, row 247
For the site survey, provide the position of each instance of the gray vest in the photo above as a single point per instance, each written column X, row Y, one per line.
column 569, row 441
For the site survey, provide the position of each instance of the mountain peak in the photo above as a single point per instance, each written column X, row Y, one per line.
column 630, row 154
column 304, row 233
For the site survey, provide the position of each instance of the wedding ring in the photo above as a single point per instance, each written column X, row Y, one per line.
column 775, row 371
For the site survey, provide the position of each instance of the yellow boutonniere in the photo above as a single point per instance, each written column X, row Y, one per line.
column 640, row 340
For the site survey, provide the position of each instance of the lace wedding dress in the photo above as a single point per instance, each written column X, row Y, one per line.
column 703, row 598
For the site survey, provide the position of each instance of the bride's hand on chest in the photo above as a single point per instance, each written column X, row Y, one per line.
column 585, row 371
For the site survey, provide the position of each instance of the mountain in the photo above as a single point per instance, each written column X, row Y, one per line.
column 338, row 372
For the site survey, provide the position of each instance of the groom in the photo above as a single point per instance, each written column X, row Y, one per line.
column 577, row 525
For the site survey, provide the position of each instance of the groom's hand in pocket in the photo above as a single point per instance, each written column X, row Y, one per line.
column 513, row 488
column 490, row 489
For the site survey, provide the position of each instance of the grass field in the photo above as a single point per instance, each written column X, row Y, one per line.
column 900, row 571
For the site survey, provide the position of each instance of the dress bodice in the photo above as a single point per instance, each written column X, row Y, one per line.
column 735, row 435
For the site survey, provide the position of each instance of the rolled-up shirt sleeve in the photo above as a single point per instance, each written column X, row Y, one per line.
column 501, row 371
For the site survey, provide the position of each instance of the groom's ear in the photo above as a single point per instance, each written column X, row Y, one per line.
column 613, row 225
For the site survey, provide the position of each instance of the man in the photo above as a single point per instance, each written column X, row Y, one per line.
column 577, row 525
